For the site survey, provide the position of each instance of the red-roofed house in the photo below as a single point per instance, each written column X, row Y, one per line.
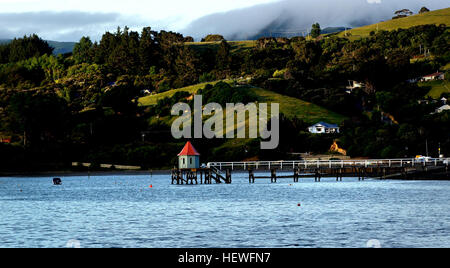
column 188, row 157
column 435, row 76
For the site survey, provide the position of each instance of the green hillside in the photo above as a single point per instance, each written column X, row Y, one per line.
column 308, row 112
column 236, row 46
column 437, row 17
column 436, row 88
column 289, row 106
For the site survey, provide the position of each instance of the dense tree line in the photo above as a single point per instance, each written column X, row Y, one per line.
column 84, row 106
column 156, row 57
column 24, row 48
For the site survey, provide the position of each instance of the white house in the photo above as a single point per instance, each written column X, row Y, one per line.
column 353, row 85
column 188, row 157
column 434, row 76
column 443, row 108
column 146, row 92
column 323, row 128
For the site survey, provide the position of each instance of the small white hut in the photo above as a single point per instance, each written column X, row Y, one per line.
column 188, row 157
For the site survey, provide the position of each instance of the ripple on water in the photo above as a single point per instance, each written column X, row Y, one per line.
column 124, row 212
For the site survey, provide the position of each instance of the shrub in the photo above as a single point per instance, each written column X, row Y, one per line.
column 279, row 73
column 206, row 77
column 213, row 38
column 223, row 93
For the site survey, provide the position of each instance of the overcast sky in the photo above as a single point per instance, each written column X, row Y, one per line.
column 69, row 20
column 66, row 20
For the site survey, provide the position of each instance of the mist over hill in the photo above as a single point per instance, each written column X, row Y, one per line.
column 293, row 17
column 61, row 47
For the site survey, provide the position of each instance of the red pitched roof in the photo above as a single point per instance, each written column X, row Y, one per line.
column 188, row 150
column 434, row 74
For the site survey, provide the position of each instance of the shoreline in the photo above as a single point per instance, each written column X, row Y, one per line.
column 69, row 173
column 38, row 174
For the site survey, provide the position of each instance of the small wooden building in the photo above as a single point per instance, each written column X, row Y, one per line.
column 188, row 158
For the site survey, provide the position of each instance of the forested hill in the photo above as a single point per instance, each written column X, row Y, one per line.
column 87, row 106
column 59, row 47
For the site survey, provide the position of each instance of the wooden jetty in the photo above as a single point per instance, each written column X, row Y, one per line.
column 200, row 175
column 409, row 168
column 190, row 172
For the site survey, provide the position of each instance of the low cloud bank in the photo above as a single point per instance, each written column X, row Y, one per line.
column 62, row 26
column 297, row 16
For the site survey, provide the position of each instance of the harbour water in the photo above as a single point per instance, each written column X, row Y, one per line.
column 147, row 211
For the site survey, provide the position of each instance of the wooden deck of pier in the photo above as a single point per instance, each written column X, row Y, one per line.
column 200, row 175
column 221, row 172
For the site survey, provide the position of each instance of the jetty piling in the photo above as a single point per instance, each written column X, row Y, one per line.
column 273, row 175
column 251, row 176
column 221, row 172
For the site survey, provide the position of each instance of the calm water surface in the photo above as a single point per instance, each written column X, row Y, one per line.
column 123, row 211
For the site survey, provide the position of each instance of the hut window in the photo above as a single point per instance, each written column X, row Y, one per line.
column 190, row 161
column 184, row 161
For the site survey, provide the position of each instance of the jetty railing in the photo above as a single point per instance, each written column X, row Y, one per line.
column 319, row 164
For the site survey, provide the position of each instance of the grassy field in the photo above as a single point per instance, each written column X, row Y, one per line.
column 236, row 46
column 441, row 16
column 446, row 67
column 436, row 88
column 306, row 111
column 289, row 106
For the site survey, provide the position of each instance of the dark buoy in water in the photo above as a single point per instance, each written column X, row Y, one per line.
column 57, row 181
